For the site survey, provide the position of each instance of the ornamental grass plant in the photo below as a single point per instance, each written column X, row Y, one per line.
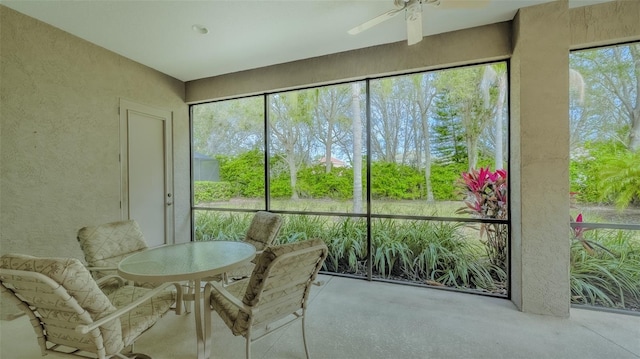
column 605, row 268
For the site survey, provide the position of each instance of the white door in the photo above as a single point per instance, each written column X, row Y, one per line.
column 146, row 162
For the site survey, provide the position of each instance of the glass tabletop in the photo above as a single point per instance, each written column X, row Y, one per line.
column 185, row 261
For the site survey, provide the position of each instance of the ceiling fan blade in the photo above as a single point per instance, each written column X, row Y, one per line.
column 414, row 24
column 375, row 21
column 459, row 4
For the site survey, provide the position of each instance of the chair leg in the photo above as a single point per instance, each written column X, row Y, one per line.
column 248, row 344
column 304, row 337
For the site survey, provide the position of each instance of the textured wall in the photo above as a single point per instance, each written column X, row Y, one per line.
column 605, row 24
column 60, row 135
column 540, row 160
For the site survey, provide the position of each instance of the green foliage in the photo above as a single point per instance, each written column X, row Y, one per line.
column 210, row 225
column 280, row 185
column 438, row 253
column 606, row 172
column 390, row 252
column 345, row 239
column 208, row 191
column 245, row 172
column 314, row 182
column 619, row 178
column 442, row 255
column 434, row 253
column 449, row 142
column 584, row 170
column 299, row 227
column 347, row 243
column 392, row 181
column 395, row 181
column 444, row 178
column 582, row 182
column 418, row 251
column 609, row 278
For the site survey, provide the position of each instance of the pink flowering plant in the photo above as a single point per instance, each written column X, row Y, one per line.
column 485, row 197
column 588, row 245
column 578, row 235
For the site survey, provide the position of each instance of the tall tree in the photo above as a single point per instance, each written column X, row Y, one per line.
column 634, row 108
column 290, row 120
column 495, row 75
column 331, row 118
column 463, row 86
column 388, row 108
column 423, row 95
column 612, row 95
column 228, row 127
column 448, row 144
column 356, row 129
column 579, row 113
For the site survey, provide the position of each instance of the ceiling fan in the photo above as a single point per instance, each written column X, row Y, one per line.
column 413, row 15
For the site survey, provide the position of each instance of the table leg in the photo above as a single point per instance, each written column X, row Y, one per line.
column 200, row 330
column 189, row 297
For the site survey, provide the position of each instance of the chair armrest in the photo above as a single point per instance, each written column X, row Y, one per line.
column 103, row 280
column 226, row 294
column 101, row 269
column 258, row 253
column 86, row 328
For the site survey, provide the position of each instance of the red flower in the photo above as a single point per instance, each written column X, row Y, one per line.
column 485, row 192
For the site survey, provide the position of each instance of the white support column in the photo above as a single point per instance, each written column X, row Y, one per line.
column 539, row 166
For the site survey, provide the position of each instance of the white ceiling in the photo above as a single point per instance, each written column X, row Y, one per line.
column 245, row 34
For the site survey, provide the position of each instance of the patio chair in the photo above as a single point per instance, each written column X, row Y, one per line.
column 275, row 296
column 105, row 245
column 71, row 315
column 262, row 232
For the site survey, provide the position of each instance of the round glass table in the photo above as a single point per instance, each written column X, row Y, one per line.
column 191, row 262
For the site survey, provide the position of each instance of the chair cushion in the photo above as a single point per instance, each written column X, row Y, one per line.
column 257, row 279
column 135, row 322
column 107, row 244
column 78, row 282
column 251, row 289
column 263, row 229
column 227, row 311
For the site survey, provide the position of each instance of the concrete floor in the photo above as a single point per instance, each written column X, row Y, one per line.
column 350, row 318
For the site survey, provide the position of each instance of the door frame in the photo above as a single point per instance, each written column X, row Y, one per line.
column 166, row 116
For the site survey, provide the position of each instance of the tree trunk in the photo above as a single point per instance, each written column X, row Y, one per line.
column 634, row 134
column 293, row 170
column 357, row 147
column 327, row 149
column 502, row 88
column 472, row 152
